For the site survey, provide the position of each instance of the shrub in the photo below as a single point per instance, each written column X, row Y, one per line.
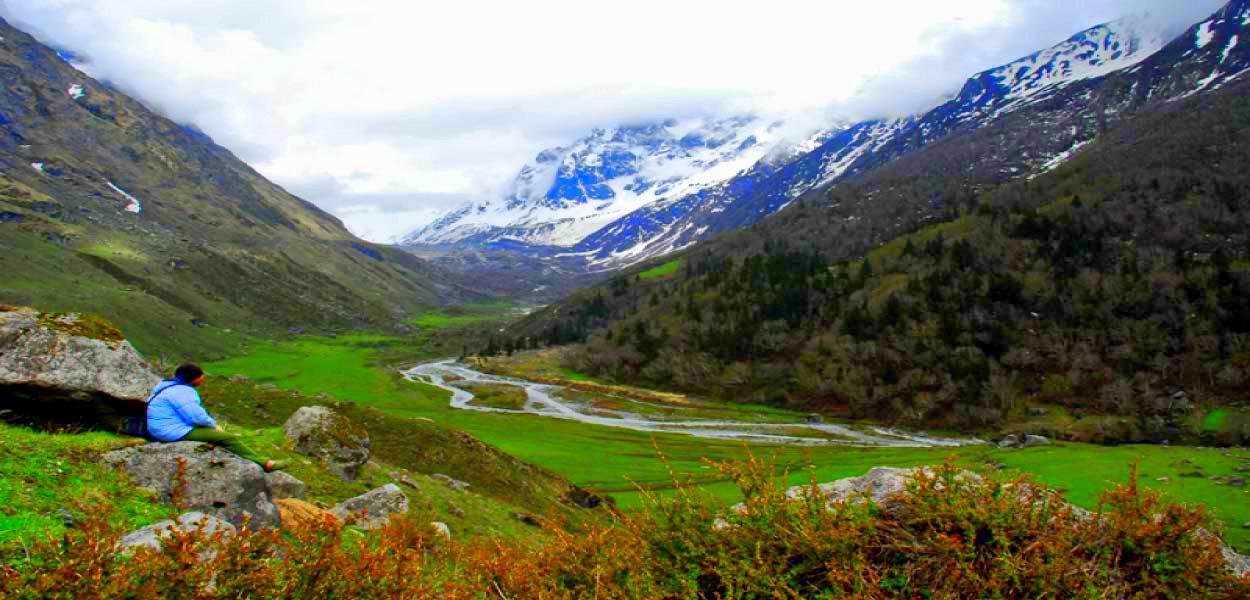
column 949, row 537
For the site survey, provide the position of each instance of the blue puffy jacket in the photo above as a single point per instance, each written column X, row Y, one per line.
column 174, row 410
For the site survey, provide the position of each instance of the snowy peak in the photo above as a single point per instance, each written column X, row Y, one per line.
column 567, row 193
column 1092, row 53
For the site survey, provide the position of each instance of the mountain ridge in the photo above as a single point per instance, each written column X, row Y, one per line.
column 109, row 207
column 766, row 187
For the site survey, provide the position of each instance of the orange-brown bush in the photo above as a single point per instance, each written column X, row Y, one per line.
column 947, row 538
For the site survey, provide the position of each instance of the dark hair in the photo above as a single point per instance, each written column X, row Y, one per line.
column 186, row 373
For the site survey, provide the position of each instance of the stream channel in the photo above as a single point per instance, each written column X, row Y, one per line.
column 707, row 420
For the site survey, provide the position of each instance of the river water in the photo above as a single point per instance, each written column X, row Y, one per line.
column 543, row 401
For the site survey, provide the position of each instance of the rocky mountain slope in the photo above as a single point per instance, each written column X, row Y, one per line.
column 108, row 206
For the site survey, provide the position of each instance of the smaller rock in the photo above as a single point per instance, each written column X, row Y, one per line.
column 1038, row 412
column 295, row 330
column 1237, row 481
column 1192, row 474
column 441, row 529
column 372, row 509
column 284, row 485
column 153, row 535
column 1164, row 479
column 582, row 498
column 1241, row 469
column 1035, row 440
column 298, row 514
column 455, row 484
column 528, row 519
column 67, row 518
column 1245, row 525
column 455, row 509
column 320, row 432
column 239, row 378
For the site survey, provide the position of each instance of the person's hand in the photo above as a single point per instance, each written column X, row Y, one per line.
column 219, row 428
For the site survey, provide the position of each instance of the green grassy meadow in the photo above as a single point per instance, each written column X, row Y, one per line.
column 663, row 270
column 619, row 462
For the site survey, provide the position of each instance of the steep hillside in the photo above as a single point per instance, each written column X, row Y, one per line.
column 109, row 207
column 1114, row 285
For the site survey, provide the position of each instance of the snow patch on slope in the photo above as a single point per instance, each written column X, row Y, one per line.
column 133, row 206
column 1205, row 34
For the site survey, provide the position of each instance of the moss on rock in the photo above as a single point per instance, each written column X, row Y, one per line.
column 82, row 324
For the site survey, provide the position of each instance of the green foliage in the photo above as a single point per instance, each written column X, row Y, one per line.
column 42, row 473
column 946, row 536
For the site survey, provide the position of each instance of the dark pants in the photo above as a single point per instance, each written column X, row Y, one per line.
column 228, row 441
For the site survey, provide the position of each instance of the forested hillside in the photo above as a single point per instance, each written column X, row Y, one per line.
column 1118, row 284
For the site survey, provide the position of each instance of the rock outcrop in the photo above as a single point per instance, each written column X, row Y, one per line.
column 216, row 482
column 877, row 485
column 153, row 535
column 372, row 509
column 58, row 364
column 284, row 485
column 321, row 433
column 1020, row 440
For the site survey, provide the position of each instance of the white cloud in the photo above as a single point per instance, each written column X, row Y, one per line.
column 419, row 105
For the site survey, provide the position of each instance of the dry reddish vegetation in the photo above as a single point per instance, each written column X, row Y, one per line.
column 948, row 539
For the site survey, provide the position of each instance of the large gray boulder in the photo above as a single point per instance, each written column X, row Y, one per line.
column 58, row 364
column 154, row 535
column 372, row 509
column 217, row 482
column 322, row 433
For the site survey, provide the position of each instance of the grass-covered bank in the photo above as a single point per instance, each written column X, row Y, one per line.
column 617, row 461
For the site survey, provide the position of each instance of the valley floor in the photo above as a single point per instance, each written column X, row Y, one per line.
column 627, row 464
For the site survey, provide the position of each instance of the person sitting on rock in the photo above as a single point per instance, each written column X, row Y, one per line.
column 176, row 415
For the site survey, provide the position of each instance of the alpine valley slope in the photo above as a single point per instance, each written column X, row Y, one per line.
column 939, row 289
column 108, row 207
column 1070, row 75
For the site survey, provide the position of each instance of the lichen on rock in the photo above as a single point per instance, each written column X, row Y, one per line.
column 83, row 325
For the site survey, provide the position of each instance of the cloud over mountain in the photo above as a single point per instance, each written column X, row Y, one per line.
column 385, row 112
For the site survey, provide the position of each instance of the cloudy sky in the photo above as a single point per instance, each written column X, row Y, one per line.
column 389, row 112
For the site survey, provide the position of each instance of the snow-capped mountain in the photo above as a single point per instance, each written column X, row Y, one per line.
column 568, row 193
column 1012, row 121
column 769, row 187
